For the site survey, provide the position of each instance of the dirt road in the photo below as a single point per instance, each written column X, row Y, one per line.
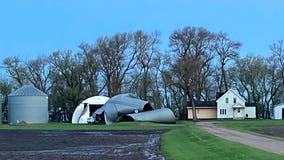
column 263, row 143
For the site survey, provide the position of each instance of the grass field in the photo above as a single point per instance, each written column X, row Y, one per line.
column 247, row 125
column 182, row 141
column 189, row 142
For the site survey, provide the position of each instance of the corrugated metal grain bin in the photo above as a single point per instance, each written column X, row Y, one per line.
column 28, row 104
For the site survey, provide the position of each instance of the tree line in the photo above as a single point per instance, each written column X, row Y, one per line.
column 197, row 65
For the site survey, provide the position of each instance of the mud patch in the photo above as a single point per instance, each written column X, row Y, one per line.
column 83, row 145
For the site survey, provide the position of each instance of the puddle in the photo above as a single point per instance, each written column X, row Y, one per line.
column 97, row 133
column 62, row 133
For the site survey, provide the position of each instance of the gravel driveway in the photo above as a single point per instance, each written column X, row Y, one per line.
column 263, row 143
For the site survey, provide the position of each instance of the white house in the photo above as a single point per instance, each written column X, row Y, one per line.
column 230, row 105
column 278, row 111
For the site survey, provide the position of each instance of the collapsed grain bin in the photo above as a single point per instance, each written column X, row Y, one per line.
column 127, row 107
column 27, row 104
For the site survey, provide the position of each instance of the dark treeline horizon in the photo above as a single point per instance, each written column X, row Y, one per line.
column 197, row 65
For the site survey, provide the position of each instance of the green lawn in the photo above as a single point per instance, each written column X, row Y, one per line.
column 248, row 125
column 189, row 142
column 115, row 126
column 182, row 140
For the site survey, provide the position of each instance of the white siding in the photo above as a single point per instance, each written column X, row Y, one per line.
column 250, row 112
column 277, row 111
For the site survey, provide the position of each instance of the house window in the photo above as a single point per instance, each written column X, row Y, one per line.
column 227, row 100
column 223, row 111
column 235, row 100
column 238, row 110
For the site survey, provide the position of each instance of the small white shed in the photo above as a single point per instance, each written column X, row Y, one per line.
column 86, row 108
column 278, row 111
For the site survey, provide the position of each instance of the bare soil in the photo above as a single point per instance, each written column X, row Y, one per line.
column 275, row 131
column 259, row 142
column 79, row 145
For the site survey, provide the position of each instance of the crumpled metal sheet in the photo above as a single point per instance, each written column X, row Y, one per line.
column 121, row 106
column 163, row 115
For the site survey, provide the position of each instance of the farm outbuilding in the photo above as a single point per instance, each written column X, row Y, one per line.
column 278, row 111
column 27, row 104
column 87, row 107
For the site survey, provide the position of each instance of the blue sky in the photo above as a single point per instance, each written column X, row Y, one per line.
column 30, row 28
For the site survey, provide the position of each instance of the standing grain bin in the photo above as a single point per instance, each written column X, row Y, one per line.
column 27, row 104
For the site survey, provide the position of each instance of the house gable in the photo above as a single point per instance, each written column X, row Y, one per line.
column 231, row 94
column 231, row 105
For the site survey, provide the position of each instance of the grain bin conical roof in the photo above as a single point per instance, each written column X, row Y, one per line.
column 28, row 90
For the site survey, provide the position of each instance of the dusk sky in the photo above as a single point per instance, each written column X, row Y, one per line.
column 30, row 28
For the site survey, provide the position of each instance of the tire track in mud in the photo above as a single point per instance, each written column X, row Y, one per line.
column 83, row 145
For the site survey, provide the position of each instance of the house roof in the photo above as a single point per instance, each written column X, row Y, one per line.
column 250, row 104
column 231, row 91
column 281, row 105
column 203, row 104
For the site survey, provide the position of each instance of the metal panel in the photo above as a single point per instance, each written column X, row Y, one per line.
column 31, row 109
column 124, row 105
column 163, row 115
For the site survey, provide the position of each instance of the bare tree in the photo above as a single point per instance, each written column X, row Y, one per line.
column 146, row 46
column 67, row 91
column 117, row 58
column 91, row 70
column 193, row 47
column 38, row 73
column 5, row 89
column 277, row 50
column 16, row 69
column 258, row 78
column 144, row 81
column 226, row 50
column 270, row 85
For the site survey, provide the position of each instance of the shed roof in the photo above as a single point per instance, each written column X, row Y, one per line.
column 27, row 90
column 281, row 105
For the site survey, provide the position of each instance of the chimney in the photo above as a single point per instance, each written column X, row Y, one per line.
column 234, row 86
